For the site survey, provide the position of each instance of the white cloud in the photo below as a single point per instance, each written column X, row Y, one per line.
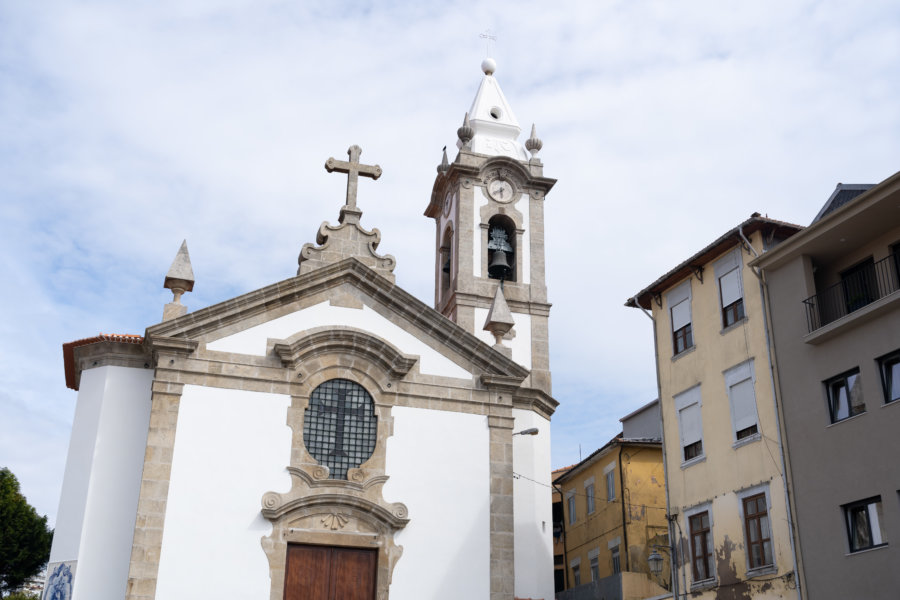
column 125, row 128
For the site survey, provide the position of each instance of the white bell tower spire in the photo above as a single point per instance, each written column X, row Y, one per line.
column 488, row 207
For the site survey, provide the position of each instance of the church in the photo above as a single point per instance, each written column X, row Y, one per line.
column 330, row 436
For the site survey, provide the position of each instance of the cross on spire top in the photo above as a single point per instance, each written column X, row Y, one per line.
column 354, row 169
column 488, row 36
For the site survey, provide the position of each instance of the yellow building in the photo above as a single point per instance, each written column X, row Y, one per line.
column 724, row 467
column 614, row 513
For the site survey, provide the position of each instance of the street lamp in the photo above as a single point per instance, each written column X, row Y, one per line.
column 656, row 562
column 529, row 431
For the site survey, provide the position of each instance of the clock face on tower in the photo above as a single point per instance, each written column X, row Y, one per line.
column 448, row 202
column 500, row 190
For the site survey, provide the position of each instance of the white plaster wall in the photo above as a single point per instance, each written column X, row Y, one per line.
column 521, row 344
column 231, row 447
column 98, row 507
column 524, row 206
column 253, row 340
column 439, row 466
column 532, row 507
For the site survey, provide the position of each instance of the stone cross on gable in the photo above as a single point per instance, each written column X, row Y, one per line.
column 354, row 169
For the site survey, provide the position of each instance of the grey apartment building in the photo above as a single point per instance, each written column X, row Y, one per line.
column 833, row 303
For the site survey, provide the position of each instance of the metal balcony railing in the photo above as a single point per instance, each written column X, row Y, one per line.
column 854, row 291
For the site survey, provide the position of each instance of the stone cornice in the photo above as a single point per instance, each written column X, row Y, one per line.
column 478, row 301
column 348, row 340
column 350, row 270
column 535, row 400
column 179, row 346
column 103, row 353
column 472, row 165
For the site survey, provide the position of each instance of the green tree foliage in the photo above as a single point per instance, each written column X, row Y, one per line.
column 24, row 537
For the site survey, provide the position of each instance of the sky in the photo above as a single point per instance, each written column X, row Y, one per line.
column 128, row 127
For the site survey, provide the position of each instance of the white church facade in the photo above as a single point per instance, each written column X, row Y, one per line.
column 330, row 436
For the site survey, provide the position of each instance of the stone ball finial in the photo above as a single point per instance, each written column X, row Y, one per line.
column 489, row 66
column 465, row 133
column 534, row 143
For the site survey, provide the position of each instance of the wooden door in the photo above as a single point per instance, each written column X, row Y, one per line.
column 329, row 573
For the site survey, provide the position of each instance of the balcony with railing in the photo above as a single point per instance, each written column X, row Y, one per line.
column 858, row 288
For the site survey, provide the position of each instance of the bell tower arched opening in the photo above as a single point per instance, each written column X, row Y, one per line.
column 501, row 248
column 446, row 263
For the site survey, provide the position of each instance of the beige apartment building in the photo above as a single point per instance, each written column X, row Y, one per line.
column 834, row 299
column 727, row 502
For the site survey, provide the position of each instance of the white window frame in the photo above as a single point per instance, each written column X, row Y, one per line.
column 684, row 400
column 573, row 565
column 722, row 267
column 734, row 376
column 610, row 471
column 680, row 293
column 746, row 493
column 570, row 504
column 594, row 561
column 688, row 513
column 590, row 495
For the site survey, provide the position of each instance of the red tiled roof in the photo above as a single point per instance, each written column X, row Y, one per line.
column 69, row 351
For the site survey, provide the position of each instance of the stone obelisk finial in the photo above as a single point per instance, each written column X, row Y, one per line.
column 179, row 279
column 499, row 321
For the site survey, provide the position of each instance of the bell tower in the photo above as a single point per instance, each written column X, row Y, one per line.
column 488, row 208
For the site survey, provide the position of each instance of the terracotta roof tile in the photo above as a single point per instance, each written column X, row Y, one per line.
column 69, row 351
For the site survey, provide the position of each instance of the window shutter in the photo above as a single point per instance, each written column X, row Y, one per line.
column 730, row 284
column 743, row 404
column 691, row 424
column 681, row 314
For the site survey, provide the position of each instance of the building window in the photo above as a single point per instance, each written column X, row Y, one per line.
column 570, row 500
column 864, row 524
column 845, row 395
column 576, row 574
column 595, row 569
column 731, row 293
column 739, row 383
column 616, row 564
column 890, row 375
column 340, row 426
column 690, row 424
column 610, row 486
column 701, row 546
column 589, row 493
column 679, row 301
column 756, row 527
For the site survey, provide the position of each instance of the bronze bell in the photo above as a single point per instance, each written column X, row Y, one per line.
column 499, row 267
column 446, row 268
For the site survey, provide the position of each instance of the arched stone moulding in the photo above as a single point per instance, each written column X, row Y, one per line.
column 335, row 512
column 332, row 518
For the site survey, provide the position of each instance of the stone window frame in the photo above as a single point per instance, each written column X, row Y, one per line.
column 706, row 507
column 609, row 473
column 743, row 495
column 684, row 334
column 733, row 377
column 590, row 496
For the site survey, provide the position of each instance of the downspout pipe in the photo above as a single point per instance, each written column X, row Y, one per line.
column 674, row 567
